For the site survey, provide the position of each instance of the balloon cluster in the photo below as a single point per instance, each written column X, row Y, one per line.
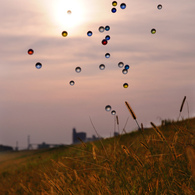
column 104, row 41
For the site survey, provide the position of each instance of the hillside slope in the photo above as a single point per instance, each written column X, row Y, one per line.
column 152, row 161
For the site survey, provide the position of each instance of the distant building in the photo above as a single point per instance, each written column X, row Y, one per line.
column 92, row 138
column 43, row 145
column 75, row 135
column 39, row 146
column 5, row 148
column 81, row 135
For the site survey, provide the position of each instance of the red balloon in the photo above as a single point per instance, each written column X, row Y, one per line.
column 104, row 42
column 30, row 51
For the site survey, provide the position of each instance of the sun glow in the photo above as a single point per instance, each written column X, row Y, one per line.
column 69, row 13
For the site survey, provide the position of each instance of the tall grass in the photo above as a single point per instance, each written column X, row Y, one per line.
column 150, row 161
column 181, row 108
column 132, row 114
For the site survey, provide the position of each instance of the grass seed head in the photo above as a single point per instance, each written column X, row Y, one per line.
column 144, row 145
column 70, row 191
column 175, row 138
column 191, row 157
column 76, row 176
column 125, row 149
column 117, row 121
column 159, row 133
column 182, row 103
column 93, row 152
column 138, row 160
column 130, row 110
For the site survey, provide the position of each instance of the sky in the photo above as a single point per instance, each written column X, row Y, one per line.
column 41, row 103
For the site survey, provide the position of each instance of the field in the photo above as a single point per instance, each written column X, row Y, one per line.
column 157, row 160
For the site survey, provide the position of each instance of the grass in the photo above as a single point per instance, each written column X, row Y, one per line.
column 157, row 160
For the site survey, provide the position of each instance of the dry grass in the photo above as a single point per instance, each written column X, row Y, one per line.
column 191, row 157
column 136, row 163
column 181, row 108
column 159, row 133
column 130, row 110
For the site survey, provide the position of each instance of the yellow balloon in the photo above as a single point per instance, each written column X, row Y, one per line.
column 125, row 85
column 114, row 3
column 64, row 34
column 153, row 31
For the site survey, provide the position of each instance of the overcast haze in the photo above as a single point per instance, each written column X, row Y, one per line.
column 42, row 104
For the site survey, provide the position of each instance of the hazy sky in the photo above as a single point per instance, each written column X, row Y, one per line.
column 42, row 104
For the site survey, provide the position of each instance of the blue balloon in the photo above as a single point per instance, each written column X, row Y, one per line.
column 123, row 5
column 89, row 33
column 113, row 10
column 126, row 67
column 107, row 28
column 107, row 37
column 38, row 65
column 107, row 55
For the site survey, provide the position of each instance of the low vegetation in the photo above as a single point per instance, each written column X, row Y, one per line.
column 157, row 160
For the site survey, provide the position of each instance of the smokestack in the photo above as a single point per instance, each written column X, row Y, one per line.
column 74, row 138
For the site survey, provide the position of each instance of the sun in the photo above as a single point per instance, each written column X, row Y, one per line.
column 69, row 13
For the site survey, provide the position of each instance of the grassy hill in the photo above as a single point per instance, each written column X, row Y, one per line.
column 158, row 160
